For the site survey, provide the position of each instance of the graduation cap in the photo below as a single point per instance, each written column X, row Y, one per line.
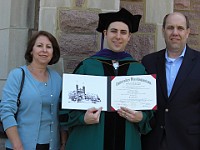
column 132, row 21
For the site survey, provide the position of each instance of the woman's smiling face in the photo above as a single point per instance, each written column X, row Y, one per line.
column 42, row 50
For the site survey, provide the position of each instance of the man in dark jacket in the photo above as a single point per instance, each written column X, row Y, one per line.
column 176, row 125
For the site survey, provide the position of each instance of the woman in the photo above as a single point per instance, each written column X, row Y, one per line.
column 36, row 124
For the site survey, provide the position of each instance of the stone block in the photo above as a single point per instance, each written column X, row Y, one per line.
column 182, row 4
column 5, row 10
column 22, row 14
column 104, row 4
column 76, row 47
column 195, row 5
column 48, row 19
column 56, row 3
column 78, row 21
column 2, row 139
column 12, row 55
column 192, row 15
column 59, row 66
column 193, row 42
column 194, row 27
column 18, row 38
column 70, row 62
column 78, row 44
column 157, row 9
column 133, row 7
column 80, row 3
column 17, row 14
column 160, row 42
column 147, row 28
column 4, row 44
column 140, row 45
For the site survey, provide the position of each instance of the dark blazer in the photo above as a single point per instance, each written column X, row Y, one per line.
column 179, row 114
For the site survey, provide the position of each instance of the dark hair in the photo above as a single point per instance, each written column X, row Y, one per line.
column 186, row 18
column 56, row 49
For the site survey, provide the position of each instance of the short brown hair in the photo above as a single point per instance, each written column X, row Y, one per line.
column 56, row 49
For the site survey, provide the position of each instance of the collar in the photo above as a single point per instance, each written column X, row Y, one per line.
column 112, row 55
column 173, row 59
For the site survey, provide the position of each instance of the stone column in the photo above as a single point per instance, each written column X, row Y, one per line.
column 17, row 18
column 155, row 12
column 48, row 19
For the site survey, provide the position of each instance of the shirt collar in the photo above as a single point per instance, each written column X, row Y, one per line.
column 180, row 56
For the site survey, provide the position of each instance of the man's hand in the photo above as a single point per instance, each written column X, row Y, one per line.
column 92, row 115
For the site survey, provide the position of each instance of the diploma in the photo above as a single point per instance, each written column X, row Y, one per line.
column 85, row 91
column 134, row 92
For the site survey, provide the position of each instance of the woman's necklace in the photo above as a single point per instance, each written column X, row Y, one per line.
column 40, row 74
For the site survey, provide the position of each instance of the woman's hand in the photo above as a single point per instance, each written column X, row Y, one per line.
column 13, row 135
column 92, row 115
column 130, row 115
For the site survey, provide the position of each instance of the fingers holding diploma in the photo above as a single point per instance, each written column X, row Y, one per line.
column 92, row 115
column 130, row 115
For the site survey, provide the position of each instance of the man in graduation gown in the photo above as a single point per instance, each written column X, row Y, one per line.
column 94, row 128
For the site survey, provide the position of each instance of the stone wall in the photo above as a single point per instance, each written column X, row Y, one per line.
column 15, row 23
column 78, row 38
column 73, row 22
column 191, row 8
column 143, row 41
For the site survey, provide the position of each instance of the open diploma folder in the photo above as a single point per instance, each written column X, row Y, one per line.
column 85, row 91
